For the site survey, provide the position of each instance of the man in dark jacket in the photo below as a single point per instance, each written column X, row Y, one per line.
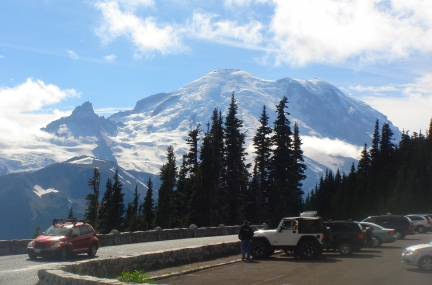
column 245, row 235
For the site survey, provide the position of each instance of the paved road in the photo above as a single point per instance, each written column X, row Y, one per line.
column 381, row 266
column 20, row 270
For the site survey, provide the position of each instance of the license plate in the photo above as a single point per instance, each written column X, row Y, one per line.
column 37, row 250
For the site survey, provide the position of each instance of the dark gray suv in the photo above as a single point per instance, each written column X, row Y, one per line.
column 402, row 225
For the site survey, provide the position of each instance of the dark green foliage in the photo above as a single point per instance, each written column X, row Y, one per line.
column 37, row 230
column 186, row 178
column 148, row 211
column 235, row 179
column 132, row 213
column 261, row 183
column 71, row 214
column 165, row 206
column 117, row 208
column 208, row 196
column 282, row 200
column 91, row 214
column 112, row 206
column 389, row 179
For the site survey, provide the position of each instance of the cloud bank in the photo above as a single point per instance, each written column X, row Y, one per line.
column 298, row 32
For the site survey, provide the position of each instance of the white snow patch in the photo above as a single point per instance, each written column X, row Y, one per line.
column 38, row 190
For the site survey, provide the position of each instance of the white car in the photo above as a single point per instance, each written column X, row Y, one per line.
column 419, row 255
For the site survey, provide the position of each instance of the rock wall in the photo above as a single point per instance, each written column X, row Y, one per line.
column 105, row 271
column 10, row 247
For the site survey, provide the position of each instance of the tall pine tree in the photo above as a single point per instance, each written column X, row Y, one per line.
column 168, row 177
column 236, row 172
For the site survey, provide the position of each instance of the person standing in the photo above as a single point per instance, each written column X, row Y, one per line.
column 245, row 235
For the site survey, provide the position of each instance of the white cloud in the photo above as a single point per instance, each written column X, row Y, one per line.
column 18, row 118
column 324, row 147
column 110, row 57
column 335, row 31
column 409, row 111
column 202, row 26
column 146, row 34
column 72, row 54
column 297, row 33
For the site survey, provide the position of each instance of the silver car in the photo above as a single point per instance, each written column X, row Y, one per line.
column 422, row 222
column 380, row 235
column 419, row 255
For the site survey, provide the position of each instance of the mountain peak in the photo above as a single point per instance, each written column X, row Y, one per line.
column 85, row 110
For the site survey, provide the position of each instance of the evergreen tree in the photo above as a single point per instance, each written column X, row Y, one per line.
column 187, row 172
column 236, row 174
column 262, row 169
column 165, row 206
column 298, row 171
column 117, row 207
column 132, row 213
column 91, row 214
column 37, row 231
column 105, row 225
column 148, row 206
column 71, row 214
column 208, row 195
column 282, row 202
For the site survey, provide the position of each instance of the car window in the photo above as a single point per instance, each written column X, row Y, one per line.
column 76, row 231
column 84, row 230
column 415, row 218
column 370, row 220
column 311, row 226
column 53, row 231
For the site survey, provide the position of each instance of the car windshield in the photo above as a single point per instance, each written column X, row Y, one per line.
column 52, row 231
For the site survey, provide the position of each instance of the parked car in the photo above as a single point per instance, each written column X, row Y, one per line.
column 422, row 222
column 64, row 238
column 402, row 225
column 380, row 235
column 419, row 255
column 348, row 236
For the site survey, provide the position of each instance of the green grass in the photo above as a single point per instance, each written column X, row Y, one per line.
column 135, row 276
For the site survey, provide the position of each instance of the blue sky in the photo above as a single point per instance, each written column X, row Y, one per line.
column 55, row 55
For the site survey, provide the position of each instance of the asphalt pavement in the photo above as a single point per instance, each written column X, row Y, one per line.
column 20, row 270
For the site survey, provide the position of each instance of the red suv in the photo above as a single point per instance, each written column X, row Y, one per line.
column 64, row 238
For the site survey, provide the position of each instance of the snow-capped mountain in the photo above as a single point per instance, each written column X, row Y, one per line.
column 333, row 127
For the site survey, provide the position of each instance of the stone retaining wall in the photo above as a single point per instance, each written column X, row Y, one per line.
column 105, row 271
column 11, row 247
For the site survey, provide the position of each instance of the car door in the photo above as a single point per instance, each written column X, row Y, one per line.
column 76, row 240
column 288, row 234
column 86, row 237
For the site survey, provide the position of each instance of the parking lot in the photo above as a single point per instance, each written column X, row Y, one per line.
column 381, row 265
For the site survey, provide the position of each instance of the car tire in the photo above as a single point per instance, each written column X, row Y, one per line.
column 399, row 235
column 308, row 250
column 425, row 263
column 420, row 229
column 32, row 256
column 376, row 241
column 92, row 250
column 63, row 254
column 345, row 248
column 259, row 249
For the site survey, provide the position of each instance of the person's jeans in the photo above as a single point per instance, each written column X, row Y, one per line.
column 246, row 248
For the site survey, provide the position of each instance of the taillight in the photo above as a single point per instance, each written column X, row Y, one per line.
column 360, row 235
column 391, row 232
column 409, row 228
